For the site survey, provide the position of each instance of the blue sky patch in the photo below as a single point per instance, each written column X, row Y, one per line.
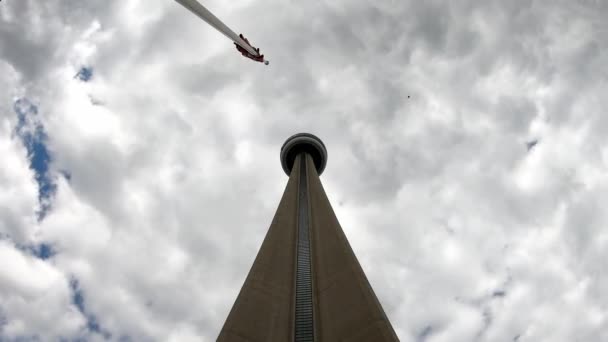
column 78, row 300
column 31, row 132
column 84, row 74
column 41, row 251
column 44, row 251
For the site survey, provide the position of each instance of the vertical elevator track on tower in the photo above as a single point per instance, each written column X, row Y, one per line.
column 304, row 331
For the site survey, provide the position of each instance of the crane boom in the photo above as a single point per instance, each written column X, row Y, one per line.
column 203, row 13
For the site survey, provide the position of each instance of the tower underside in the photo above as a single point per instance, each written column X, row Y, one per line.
column 306, row 283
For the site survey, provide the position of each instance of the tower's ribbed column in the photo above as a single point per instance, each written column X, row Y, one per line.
column 304, row 323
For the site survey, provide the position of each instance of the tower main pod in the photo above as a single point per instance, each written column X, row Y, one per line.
column 306, row 284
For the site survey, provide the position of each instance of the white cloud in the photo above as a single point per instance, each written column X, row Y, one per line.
column 34, row 296
column 19, row 195
column 172, row 149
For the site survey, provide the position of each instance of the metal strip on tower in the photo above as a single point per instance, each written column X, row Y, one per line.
column 304, row 328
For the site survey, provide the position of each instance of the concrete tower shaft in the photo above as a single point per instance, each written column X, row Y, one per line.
column 306, row 283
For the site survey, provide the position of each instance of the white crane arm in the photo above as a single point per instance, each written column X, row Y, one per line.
column 203, row 13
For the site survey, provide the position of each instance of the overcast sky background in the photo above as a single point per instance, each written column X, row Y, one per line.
column 139, row 161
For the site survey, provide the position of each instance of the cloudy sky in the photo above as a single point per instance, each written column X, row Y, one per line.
column 468, row 160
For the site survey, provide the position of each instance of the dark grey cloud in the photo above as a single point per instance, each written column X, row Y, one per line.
column 14, row 45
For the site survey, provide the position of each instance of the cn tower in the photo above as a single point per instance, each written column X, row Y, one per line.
column 306, row 283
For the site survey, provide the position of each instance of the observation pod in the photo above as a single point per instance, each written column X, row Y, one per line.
column 306, row 283
column 303, row 142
